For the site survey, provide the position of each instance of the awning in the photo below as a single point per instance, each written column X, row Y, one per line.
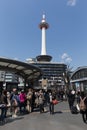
column 26, row 70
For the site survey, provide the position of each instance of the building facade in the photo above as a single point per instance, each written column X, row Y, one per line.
column 52, row 76
column 79, row 79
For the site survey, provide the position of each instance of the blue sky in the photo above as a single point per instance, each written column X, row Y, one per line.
column 66, row 38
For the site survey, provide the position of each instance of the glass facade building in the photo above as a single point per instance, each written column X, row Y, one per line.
column 52, row 74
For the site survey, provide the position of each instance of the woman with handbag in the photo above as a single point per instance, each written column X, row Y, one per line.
column 51, row 104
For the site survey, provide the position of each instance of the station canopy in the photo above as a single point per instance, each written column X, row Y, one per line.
column 23, row 69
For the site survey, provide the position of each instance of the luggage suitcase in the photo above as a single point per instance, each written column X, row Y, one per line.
column 74, row 110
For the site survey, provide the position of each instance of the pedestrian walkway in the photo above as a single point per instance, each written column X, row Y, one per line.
column 62, row 119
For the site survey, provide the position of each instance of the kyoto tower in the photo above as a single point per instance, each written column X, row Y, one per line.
column 43, row 26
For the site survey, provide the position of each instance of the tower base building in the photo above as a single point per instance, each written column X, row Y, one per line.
column 52, row 77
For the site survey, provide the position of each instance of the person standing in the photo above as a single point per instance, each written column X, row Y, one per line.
column 83, row 106
column 71, row 98
column 51, row 105
column 15, row 101
column 4, row 103
column 29, row 100
column 22, row 98
column 41, row 103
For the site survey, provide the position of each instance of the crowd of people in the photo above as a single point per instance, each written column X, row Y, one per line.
column 23, row 102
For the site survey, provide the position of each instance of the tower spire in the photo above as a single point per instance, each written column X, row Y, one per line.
column 43, row 18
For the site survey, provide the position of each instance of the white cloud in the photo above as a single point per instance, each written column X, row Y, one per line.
column 66, row 58
column 65, row 55
column 71, row 2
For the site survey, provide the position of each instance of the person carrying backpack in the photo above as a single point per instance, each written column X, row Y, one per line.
column 15, row 101
column 83, row 106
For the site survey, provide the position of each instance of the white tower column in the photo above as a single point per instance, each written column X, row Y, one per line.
column 43, row 48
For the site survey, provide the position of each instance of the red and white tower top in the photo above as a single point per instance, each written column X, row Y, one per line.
column 43, row 23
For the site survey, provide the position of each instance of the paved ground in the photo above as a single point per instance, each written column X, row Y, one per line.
column 61, row 120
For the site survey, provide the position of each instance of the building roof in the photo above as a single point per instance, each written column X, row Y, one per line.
column 80, row 74
column 26, row 70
